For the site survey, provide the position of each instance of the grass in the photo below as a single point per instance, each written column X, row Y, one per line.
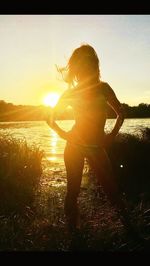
column 20, row 171
column 32, row 215
column 130, row 158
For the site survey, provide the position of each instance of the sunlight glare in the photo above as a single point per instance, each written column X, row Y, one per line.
column 51, row 99
column 52, row 158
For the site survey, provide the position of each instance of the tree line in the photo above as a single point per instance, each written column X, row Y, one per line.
column 11, row 112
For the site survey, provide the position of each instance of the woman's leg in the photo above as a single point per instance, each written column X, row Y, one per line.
column 102, row 168
column 74, row 162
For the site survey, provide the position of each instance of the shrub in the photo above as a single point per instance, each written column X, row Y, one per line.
column 130, row 157
column 20, row 171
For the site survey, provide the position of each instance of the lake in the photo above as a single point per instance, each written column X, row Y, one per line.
column 38, row 132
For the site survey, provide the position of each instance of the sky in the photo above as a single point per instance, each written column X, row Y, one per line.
column 31, row 46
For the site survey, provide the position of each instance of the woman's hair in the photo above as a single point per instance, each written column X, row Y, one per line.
column 83, row 64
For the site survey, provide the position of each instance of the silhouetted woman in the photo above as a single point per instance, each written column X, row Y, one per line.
column 89, row 97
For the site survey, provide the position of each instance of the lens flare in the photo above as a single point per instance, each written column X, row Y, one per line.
column 51, row 99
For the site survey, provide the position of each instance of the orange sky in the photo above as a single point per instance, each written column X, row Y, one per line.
column 31, row 45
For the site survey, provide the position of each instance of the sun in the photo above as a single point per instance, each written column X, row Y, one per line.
column 51, row 99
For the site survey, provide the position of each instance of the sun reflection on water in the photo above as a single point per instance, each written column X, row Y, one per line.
column 53, row 158
column 53, row 145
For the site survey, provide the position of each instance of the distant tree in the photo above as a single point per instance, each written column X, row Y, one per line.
column 11, row 112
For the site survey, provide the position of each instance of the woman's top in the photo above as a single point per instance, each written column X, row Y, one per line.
column 89, row 105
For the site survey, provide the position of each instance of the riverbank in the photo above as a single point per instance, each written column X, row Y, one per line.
column 39, row 225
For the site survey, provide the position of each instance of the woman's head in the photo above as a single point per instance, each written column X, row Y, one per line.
column 83, row 65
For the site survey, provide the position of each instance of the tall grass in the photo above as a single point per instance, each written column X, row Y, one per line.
column 130, row 157
column 20, row 171
column 44, row 228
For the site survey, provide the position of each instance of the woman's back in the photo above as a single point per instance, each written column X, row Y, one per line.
column 89, row 104
column 89, row 99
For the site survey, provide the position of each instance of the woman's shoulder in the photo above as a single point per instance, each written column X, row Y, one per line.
column 67, row 94
column 106, row 88
column 104, row 84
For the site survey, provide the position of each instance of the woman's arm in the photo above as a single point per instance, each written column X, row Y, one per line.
column 52, row 124
column 52, row 115
column 117, row 107
column 114, row 103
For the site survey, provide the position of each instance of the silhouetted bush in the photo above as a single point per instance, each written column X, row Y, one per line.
column 20, row 171
column 130, row 156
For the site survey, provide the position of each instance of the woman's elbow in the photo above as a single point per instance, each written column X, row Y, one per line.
column 121, row 117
